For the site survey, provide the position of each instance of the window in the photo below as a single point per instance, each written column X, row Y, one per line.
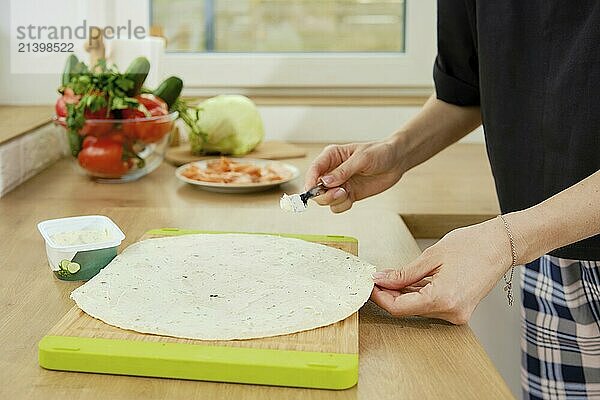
column 278, row 45
column 280, row 26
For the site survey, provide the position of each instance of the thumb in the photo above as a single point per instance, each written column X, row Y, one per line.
column 405, row 276
column 353, row 165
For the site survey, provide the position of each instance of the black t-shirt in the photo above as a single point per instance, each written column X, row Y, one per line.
column 534, row 68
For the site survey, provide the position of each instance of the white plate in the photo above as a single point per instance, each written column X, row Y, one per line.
column 237, row 187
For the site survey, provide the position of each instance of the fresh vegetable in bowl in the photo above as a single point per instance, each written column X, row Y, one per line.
column 104, row 156
column 149, row 104
column 117, row 128
column 132, row 123
column 139, row 127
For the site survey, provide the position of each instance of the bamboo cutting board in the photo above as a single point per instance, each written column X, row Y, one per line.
column 325, row 357
column 269, row 150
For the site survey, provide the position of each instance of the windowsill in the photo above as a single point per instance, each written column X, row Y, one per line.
column 333, row 101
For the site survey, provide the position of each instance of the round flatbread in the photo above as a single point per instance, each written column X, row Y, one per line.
column 226, row 286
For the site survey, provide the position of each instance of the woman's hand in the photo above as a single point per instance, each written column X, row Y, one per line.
column 450, row 278
column 354, row 171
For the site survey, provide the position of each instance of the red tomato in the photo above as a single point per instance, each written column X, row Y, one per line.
column 155, row 106
column 91, row 140
column 96, row 128
column 117, row 136
column 68, row 97
column 88, row 141
column 98, row 114
column 147, row 131
column 104, row 157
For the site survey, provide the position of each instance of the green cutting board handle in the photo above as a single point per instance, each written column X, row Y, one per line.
column 308, row 238
column 197, row 362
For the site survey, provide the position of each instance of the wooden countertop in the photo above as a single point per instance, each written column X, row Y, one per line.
column 455, row 188
column 17, row 120
column 416, row 358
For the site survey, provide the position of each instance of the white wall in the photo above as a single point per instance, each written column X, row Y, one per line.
column 338, row 124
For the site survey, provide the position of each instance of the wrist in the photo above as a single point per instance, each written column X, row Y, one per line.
column 530, row 234
column 400, row 156
column 501, row 244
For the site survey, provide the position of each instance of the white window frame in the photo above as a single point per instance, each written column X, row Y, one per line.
column 410, row 71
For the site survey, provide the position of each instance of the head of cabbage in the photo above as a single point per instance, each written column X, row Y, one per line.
column 226, row 124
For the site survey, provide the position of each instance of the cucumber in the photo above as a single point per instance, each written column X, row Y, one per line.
column 64, row 264
column 169, row 90
column 73, row 267
column 70, row 65
column 137, row 72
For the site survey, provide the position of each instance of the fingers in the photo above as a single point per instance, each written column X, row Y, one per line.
column 424, row 299
column 329, row 158
column 414, row 303
column 394, row 293
column 343, row 172
column 408, row 275
column 335, row 165
column 421, row 303
column 343, row 206
column 332, row 197
column 338, row 199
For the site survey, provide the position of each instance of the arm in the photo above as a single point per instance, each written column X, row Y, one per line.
column 451, row 277
column 356, row 171
column 437, row 126
column 567, row 217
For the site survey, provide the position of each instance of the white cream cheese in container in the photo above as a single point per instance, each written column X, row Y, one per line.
column 79, row 247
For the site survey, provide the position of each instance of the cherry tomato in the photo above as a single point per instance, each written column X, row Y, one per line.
column 104, row 157
column 147, row 131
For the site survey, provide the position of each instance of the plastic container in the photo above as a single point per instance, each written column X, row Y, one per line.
column 143, row 141
column 87, row 254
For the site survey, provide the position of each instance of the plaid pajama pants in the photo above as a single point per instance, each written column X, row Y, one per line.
column 560, row 330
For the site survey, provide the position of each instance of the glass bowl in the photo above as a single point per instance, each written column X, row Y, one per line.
column 120, row 150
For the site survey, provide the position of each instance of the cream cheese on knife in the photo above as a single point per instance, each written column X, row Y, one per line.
column 292, row 203
column 298, row 203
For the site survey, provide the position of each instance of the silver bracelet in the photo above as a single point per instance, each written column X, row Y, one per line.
column 508, row 281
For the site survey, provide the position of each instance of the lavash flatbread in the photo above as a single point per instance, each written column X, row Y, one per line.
column 226, row 286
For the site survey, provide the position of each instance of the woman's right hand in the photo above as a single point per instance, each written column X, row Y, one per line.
column 354, row 171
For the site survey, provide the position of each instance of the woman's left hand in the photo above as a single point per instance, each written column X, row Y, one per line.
column 450, row 278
